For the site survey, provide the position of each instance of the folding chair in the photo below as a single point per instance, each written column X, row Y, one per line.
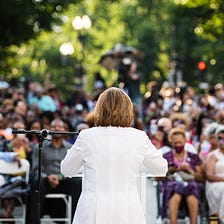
column 13, row 169
column 2, row 180
column 68, row 202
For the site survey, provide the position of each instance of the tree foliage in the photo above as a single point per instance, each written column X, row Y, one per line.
column 21, row 20
column 34, row 30
column 200, row 30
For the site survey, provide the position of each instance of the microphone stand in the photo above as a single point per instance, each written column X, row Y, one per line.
column 42, row 135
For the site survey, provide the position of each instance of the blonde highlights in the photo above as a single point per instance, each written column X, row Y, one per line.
column 113, row 108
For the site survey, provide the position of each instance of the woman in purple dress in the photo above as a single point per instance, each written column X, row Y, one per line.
column 184, row 174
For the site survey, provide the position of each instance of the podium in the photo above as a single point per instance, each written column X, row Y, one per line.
column 148, row 197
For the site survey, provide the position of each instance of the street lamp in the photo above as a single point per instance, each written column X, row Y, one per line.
column 66, row 49
column 82, row 24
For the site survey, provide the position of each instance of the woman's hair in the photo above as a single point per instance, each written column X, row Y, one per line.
column 176, row 131
column 113, row 108
column 210, row 129
column 220, row 129
column 181, row 118
column 89, row 119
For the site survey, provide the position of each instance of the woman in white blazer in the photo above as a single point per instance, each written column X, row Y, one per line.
column 113, row 153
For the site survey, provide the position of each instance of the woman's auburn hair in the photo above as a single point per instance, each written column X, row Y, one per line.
column 113, row 108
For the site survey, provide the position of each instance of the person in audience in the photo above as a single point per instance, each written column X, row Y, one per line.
column 215, row 178
column 33, row 138
column 137, row 120
column 3, row 132
column 41, row 101
column 20, row 143
column 184, row 174
column 181, row 120
column 10, row 157
column 52, row 180
column 8, row 203
column 69, row 128
column 89, row 119
column 208, row 141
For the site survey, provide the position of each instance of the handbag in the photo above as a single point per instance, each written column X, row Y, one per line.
column 186, row 176
column 181, row 176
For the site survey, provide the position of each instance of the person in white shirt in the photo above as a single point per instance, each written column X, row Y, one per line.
column 113, row 153
column 214, row 171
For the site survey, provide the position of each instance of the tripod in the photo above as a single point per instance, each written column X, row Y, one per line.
column 42, row 135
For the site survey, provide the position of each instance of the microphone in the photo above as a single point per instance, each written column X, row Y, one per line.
column 44, row 132
column 19, row 131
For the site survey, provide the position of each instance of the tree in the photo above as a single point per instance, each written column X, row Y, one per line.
column 24, row 19
column 136, row 23
column 144, row 24
column 199, row 36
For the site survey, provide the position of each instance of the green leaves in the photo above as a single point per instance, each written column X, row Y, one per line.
column 29, row 47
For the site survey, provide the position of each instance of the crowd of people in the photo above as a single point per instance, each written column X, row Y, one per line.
column 187, row 126
column 189, row 129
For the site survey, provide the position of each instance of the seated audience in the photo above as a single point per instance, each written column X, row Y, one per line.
column 19, row 145
column 52, row 181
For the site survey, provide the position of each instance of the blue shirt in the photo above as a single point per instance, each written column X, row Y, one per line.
column 7, row 156
column 45, row 103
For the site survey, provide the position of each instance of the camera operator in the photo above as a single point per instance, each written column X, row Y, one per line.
column 129, row 78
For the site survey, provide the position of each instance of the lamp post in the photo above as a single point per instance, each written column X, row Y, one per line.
column 66, row 49
column 175, row 74
column 82, row 24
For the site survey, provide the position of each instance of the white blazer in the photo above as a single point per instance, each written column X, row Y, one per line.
column 112, row 159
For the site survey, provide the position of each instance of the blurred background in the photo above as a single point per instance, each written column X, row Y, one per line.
column 67, row 41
